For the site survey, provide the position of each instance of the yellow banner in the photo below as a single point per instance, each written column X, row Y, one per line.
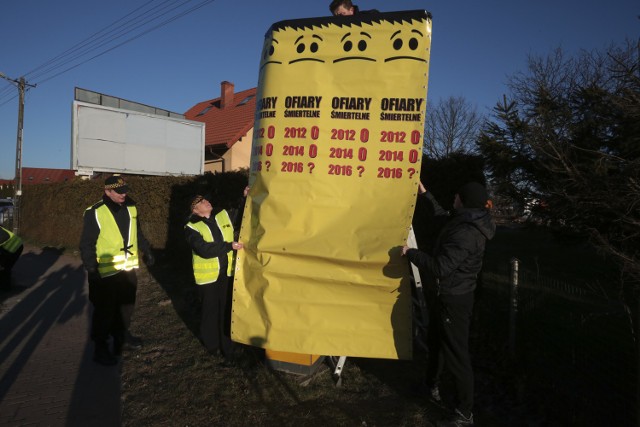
column 335, row 166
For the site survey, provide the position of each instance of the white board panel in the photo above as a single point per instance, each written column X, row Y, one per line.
column 108, row 139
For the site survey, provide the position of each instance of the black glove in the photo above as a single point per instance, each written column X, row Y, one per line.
column 148, row 258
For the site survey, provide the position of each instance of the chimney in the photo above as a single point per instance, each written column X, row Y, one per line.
column 226, row 94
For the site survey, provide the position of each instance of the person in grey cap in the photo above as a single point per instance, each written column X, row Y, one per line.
column 453, row 264
column 111, row 245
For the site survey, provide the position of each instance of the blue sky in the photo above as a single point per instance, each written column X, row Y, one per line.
column 475, row 46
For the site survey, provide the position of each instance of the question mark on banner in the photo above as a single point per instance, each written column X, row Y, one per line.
column 311, row 166
column 360, row 169
column 268, row 163
column 411, row 172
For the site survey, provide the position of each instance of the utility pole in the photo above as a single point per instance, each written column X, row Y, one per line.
column 21, row 84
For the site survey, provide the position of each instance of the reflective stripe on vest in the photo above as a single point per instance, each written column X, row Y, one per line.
column 111, row 254
column 206, row 270
column 12, row 244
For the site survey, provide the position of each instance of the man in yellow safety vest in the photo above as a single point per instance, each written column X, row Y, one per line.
column 211, row 238
column 110, row 249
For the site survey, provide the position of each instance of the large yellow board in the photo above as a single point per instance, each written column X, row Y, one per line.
column 335, row 166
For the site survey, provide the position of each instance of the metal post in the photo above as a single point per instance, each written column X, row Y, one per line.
column 21, row 84
column 513, row 309
column 18, row 180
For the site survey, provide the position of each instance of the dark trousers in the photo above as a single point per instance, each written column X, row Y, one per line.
column 449, row 346
column 108, row 295
column 7, row 261
column 216, row 316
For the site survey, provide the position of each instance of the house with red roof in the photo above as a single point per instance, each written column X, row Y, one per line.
column 229, row 121
column 46, row 175
column 37, row 176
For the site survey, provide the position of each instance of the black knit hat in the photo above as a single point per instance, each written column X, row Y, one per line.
column 473, row 195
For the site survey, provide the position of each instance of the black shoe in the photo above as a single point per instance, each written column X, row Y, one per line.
column 434, row 394
column 458, row 419
column 103, row 356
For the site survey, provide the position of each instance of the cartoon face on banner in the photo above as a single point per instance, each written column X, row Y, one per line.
column 356, row 47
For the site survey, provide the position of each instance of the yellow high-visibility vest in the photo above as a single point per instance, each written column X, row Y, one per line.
column 112, row 256
column 207, row 270
column 12, row 243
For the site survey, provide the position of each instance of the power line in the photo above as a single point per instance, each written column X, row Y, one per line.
column 162, row 24
column 89, row 45
column 134, row 21
column 85, row 41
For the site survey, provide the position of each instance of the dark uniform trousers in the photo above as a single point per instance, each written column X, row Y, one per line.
column 216, row 316
column 7, row 263
column 107, row 295
column 449, row 347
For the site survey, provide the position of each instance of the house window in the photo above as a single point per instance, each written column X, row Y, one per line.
column 204, row 111
column 244, row 101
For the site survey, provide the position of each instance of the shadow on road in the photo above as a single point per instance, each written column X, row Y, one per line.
column 45, row 350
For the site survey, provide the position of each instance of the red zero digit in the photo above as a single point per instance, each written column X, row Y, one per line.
column 389, row 173
column 413, row 156
column 313, row 151
column 340, row 170
column 271, row 132
column 362, row 154
column 269, row 149
column 315, row 132
column 364, row 135
column 292, row 167
column 415, row 137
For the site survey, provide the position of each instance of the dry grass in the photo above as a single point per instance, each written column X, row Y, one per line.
column 173, row 381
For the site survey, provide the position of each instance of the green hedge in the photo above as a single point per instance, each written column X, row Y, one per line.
column 51, row 214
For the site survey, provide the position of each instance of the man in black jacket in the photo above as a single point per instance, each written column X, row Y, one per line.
column 454, row 263
column 110, row 246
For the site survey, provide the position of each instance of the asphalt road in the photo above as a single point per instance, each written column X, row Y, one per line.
column 47, row 376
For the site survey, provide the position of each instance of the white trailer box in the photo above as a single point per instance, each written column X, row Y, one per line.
column 106, row 139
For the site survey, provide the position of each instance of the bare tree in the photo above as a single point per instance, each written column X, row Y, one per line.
column 451, row 126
